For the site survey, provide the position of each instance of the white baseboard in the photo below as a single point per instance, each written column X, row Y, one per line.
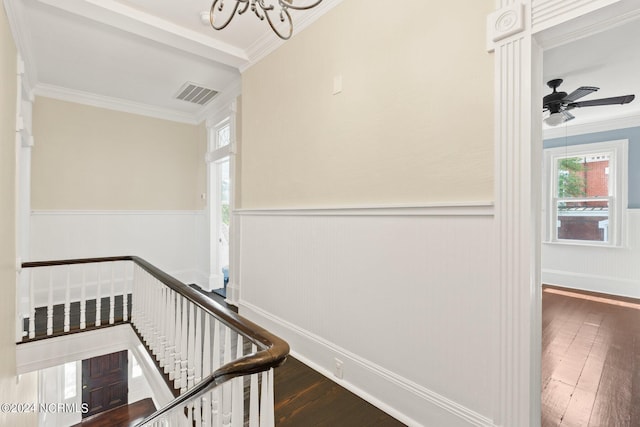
column 594, row 283
column 401, row 398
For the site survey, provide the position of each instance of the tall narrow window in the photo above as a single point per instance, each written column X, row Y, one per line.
column 220, row 159
column 586, row 187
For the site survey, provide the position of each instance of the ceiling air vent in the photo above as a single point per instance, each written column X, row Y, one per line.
column 191, row 92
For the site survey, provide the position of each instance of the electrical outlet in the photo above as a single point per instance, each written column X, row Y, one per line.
column 338, row 369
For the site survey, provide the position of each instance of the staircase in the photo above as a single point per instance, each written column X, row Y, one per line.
column 219, row 364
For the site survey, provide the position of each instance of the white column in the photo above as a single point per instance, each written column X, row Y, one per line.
column 517, row 386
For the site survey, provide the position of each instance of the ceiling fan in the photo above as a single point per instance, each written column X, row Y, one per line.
column 559, row 103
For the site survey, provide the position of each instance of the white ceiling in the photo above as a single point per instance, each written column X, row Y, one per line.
column 609, row 60
column 134, row 55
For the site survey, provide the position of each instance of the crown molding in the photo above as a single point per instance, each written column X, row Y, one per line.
column 22, row 40
column 268, row 42
column 221, row 104
column 151, row 27
column 117, row 104
column 593, row 127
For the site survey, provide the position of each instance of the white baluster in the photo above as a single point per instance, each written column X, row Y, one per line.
column 226, row 387
column 216, row 345
column 83, row 298
column 32, row 306
column 162, row 324
column 206, row 369
column 135, row 296
column 191, row 346
column 171, row 327
column 153, row 315
column 267, row 416
column 184, row 349
column 112, row 296
column 237, row 404
column 67, row 301
column 198, row 347
column 254, row 405
column 125, row 293
column 50, row 304
column 216, row 406
column 216, row 395
column 177, row 342
column 99, row 296
column 197, row 356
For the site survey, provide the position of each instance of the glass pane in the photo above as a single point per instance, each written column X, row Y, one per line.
column 70, row 380
column 223, row 136
column 583, row 220
column 136, row 370
column 583, row 176
column 225, row 213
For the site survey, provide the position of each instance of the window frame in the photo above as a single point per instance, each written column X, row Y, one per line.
column 617, row 197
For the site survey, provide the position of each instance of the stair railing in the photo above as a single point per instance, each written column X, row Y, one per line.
column 221, row 363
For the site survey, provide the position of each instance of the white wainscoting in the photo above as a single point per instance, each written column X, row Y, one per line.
column 404, row 297
column 608, row 270
column 174, row 241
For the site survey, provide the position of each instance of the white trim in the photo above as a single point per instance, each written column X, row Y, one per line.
column 135, row 21
column 358, row 370
column 110, row 103
column 222, row 105
column 116, row 212
column 269, row 42
column 618, row 13
column 22, row 39
column 433, row 209
column 593, row 127
column 605, row 284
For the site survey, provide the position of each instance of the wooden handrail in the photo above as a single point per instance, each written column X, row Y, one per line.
column 272, row 350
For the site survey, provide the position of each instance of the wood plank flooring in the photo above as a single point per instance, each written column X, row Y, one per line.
column 122, row 416
column 306, row 398
column 590, row 359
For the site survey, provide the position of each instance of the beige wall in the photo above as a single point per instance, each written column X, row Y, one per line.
column 88, row 158
column 25, row 391
column 413, row 124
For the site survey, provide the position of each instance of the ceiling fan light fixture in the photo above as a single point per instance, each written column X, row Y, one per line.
column 555, row 119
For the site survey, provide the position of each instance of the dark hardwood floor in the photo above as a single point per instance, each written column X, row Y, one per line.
column 306, row 398
column 123, row 416
column 590, row 359
column 303, row 397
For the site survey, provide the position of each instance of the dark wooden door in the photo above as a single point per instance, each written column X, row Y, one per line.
column 104, row 382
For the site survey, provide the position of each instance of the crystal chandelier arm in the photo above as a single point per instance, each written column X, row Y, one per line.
column 220, row 8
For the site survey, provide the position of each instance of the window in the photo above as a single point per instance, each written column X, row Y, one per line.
column 221, row 169
column 587, row 196
column 70, row 377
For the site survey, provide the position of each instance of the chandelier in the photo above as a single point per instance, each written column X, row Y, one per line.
column 262, row 9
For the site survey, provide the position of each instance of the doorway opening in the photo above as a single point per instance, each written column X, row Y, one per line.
column 589, row 281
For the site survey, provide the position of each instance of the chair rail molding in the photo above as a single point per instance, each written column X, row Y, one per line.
column 518, row 150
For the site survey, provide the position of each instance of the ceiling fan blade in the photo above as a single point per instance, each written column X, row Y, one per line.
column 579, row 93
column 603, row 101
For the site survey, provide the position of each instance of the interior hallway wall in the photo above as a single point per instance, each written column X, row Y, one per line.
column 366, row 217
column 108, row 183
